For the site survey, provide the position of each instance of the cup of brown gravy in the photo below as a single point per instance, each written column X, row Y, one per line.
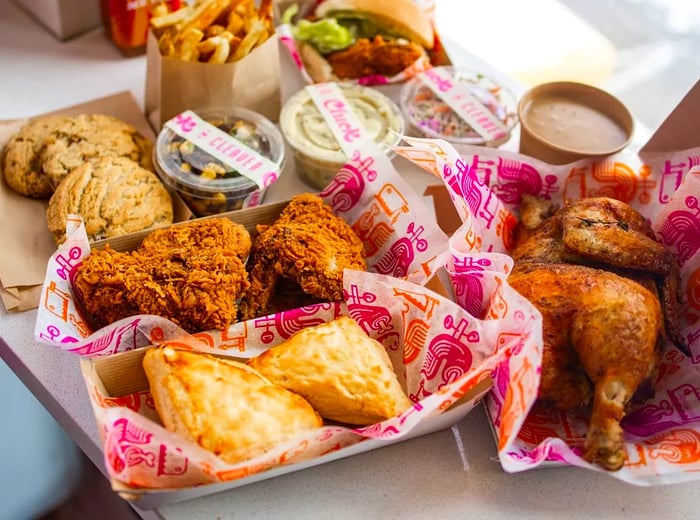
column 564, row 121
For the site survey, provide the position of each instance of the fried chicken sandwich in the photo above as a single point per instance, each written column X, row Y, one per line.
column 350, row 39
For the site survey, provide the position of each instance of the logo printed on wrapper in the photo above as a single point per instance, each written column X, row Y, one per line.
column 371, row 227
column 346, row 188
column 343, row 123
column 681, row 230
column 680, row 446
column 67, row 265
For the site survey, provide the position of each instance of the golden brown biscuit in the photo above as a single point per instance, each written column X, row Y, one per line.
column 345, row 375
column 224, row 406
column 113, row 195
column 22, row 158
column 90, row 136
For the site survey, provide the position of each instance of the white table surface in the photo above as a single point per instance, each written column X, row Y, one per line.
column 449, row 474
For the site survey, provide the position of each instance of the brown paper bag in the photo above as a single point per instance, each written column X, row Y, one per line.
column 173, row 85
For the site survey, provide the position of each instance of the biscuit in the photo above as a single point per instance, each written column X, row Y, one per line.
column 22, row 157
column 113, row 195
column 345, row 375
column 90, row 136
column 223, row 405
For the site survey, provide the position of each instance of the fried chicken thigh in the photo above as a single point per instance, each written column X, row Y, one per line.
column 191, row 273
column 307, row 248
column 598, row 277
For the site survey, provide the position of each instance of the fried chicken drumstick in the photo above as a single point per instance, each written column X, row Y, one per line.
column 308, row 246
column 607, row 292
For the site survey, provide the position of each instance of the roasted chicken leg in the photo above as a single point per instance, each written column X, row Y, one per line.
column 590, row 268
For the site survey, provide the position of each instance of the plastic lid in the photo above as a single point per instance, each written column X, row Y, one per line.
column 183, row 164
column 436, row 119
column 307, row 132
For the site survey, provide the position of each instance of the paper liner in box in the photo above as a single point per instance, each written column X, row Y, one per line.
column 173, row 85
column 438, row 349
column 663, row 436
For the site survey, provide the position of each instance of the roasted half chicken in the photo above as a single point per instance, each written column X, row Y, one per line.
column 607, row 292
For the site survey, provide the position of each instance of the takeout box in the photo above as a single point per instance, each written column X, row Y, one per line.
column 442, row 353
column 120, row 381
column 662, row 180
column 24, row 227
column 64, row 18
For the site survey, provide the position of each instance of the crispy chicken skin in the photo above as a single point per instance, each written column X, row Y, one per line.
column 604, row 233
column 307, row 245
column 191, row 274
column 377, row 56
column 591, row 268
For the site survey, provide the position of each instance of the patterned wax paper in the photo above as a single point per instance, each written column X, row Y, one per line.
column 663, row 436
column 440, row 350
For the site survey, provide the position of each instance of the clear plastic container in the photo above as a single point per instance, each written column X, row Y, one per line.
column 429, row 116
column 317, row 154
column 207, row 185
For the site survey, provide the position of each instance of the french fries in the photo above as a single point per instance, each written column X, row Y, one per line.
column 212, row 31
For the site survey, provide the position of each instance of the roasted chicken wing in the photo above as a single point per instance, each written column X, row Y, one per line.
column 598, row 277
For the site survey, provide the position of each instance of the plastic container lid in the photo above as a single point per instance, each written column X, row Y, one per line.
column 307, row 132
column 432, row 117
column 187, row 168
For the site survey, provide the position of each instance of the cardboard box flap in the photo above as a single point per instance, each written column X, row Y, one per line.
column 681, row 129
column 122, row 374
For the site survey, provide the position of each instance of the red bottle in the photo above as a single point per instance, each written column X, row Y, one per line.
column 126, row 22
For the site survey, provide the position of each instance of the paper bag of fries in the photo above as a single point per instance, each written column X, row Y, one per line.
column 212, row 53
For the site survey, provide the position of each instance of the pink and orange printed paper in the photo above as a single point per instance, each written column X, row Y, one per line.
column 663, row 437
column 441, row 352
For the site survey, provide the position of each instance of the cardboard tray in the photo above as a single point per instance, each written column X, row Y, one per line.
column 122, row 374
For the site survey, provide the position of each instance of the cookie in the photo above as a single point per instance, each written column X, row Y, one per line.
column 113, row 195
column 90, row 136
column 22, row 157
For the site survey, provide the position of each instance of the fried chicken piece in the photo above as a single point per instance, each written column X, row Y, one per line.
column 203, row 234
column 289, row 295
column 378, row 56
column 591, row 269
column 190, row 274
column 307, row 245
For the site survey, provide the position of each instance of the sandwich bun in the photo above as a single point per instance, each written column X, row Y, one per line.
column 401, row 18
column 316, row 65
